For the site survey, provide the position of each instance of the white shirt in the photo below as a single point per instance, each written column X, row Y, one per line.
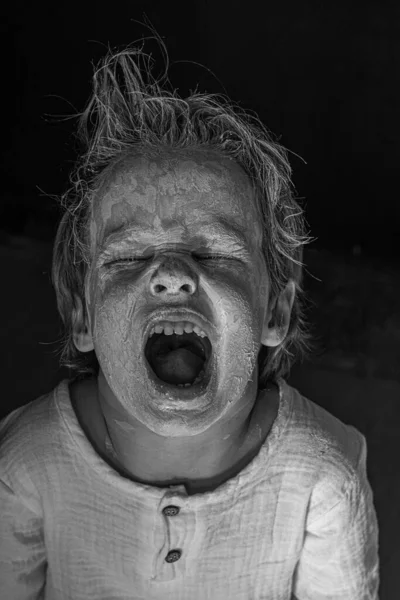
column 297, row 522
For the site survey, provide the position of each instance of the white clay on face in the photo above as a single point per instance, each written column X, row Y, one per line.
column 169, row 201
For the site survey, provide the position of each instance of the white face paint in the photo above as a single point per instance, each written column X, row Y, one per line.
column 176, row 211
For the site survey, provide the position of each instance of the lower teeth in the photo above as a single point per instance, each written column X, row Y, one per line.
column 197, row 380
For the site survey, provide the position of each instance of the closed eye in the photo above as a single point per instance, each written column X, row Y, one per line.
column 213, row 257
column 130, row 259
column 124, row 260
column 119, row 260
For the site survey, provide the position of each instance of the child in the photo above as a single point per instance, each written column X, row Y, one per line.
column 177, row 462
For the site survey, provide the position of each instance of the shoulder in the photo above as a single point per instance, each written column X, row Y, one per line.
column 319, row 433
column 330, row 453
column 24, row 424
column 28, row 439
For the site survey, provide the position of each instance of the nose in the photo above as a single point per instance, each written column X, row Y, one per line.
column 172, row 278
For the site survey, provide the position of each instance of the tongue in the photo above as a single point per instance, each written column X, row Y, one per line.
column 178, row 366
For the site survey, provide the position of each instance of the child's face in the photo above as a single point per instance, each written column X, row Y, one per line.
column 177, row 210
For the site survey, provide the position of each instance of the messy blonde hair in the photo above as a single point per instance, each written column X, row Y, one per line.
column 127, row 115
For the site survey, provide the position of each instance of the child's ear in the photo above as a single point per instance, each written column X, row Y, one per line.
column 277, row 319
column 81, row 330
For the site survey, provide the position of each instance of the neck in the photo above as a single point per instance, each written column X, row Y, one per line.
column 200, row 464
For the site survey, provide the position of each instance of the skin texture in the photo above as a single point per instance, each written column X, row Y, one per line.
column 175, row 210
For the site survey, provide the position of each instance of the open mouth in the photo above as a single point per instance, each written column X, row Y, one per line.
column 179, row 360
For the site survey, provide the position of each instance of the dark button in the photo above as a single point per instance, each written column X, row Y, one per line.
column 173, row 556
column 171, row 511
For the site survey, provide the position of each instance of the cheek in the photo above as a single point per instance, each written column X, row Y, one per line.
column 115, row 340
column 233, row 298
column 112, row 307
column 115, row 304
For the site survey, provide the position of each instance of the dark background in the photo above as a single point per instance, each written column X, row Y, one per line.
column 324, row 78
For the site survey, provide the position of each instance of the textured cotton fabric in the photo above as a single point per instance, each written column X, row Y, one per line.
column 297, row 522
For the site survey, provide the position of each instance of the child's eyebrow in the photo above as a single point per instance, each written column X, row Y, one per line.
column 204, row 234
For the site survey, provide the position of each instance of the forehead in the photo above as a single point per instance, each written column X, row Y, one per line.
column 175, row 189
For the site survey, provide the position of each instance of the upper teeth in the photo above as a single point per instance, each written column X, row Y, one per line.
column 169, row 328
